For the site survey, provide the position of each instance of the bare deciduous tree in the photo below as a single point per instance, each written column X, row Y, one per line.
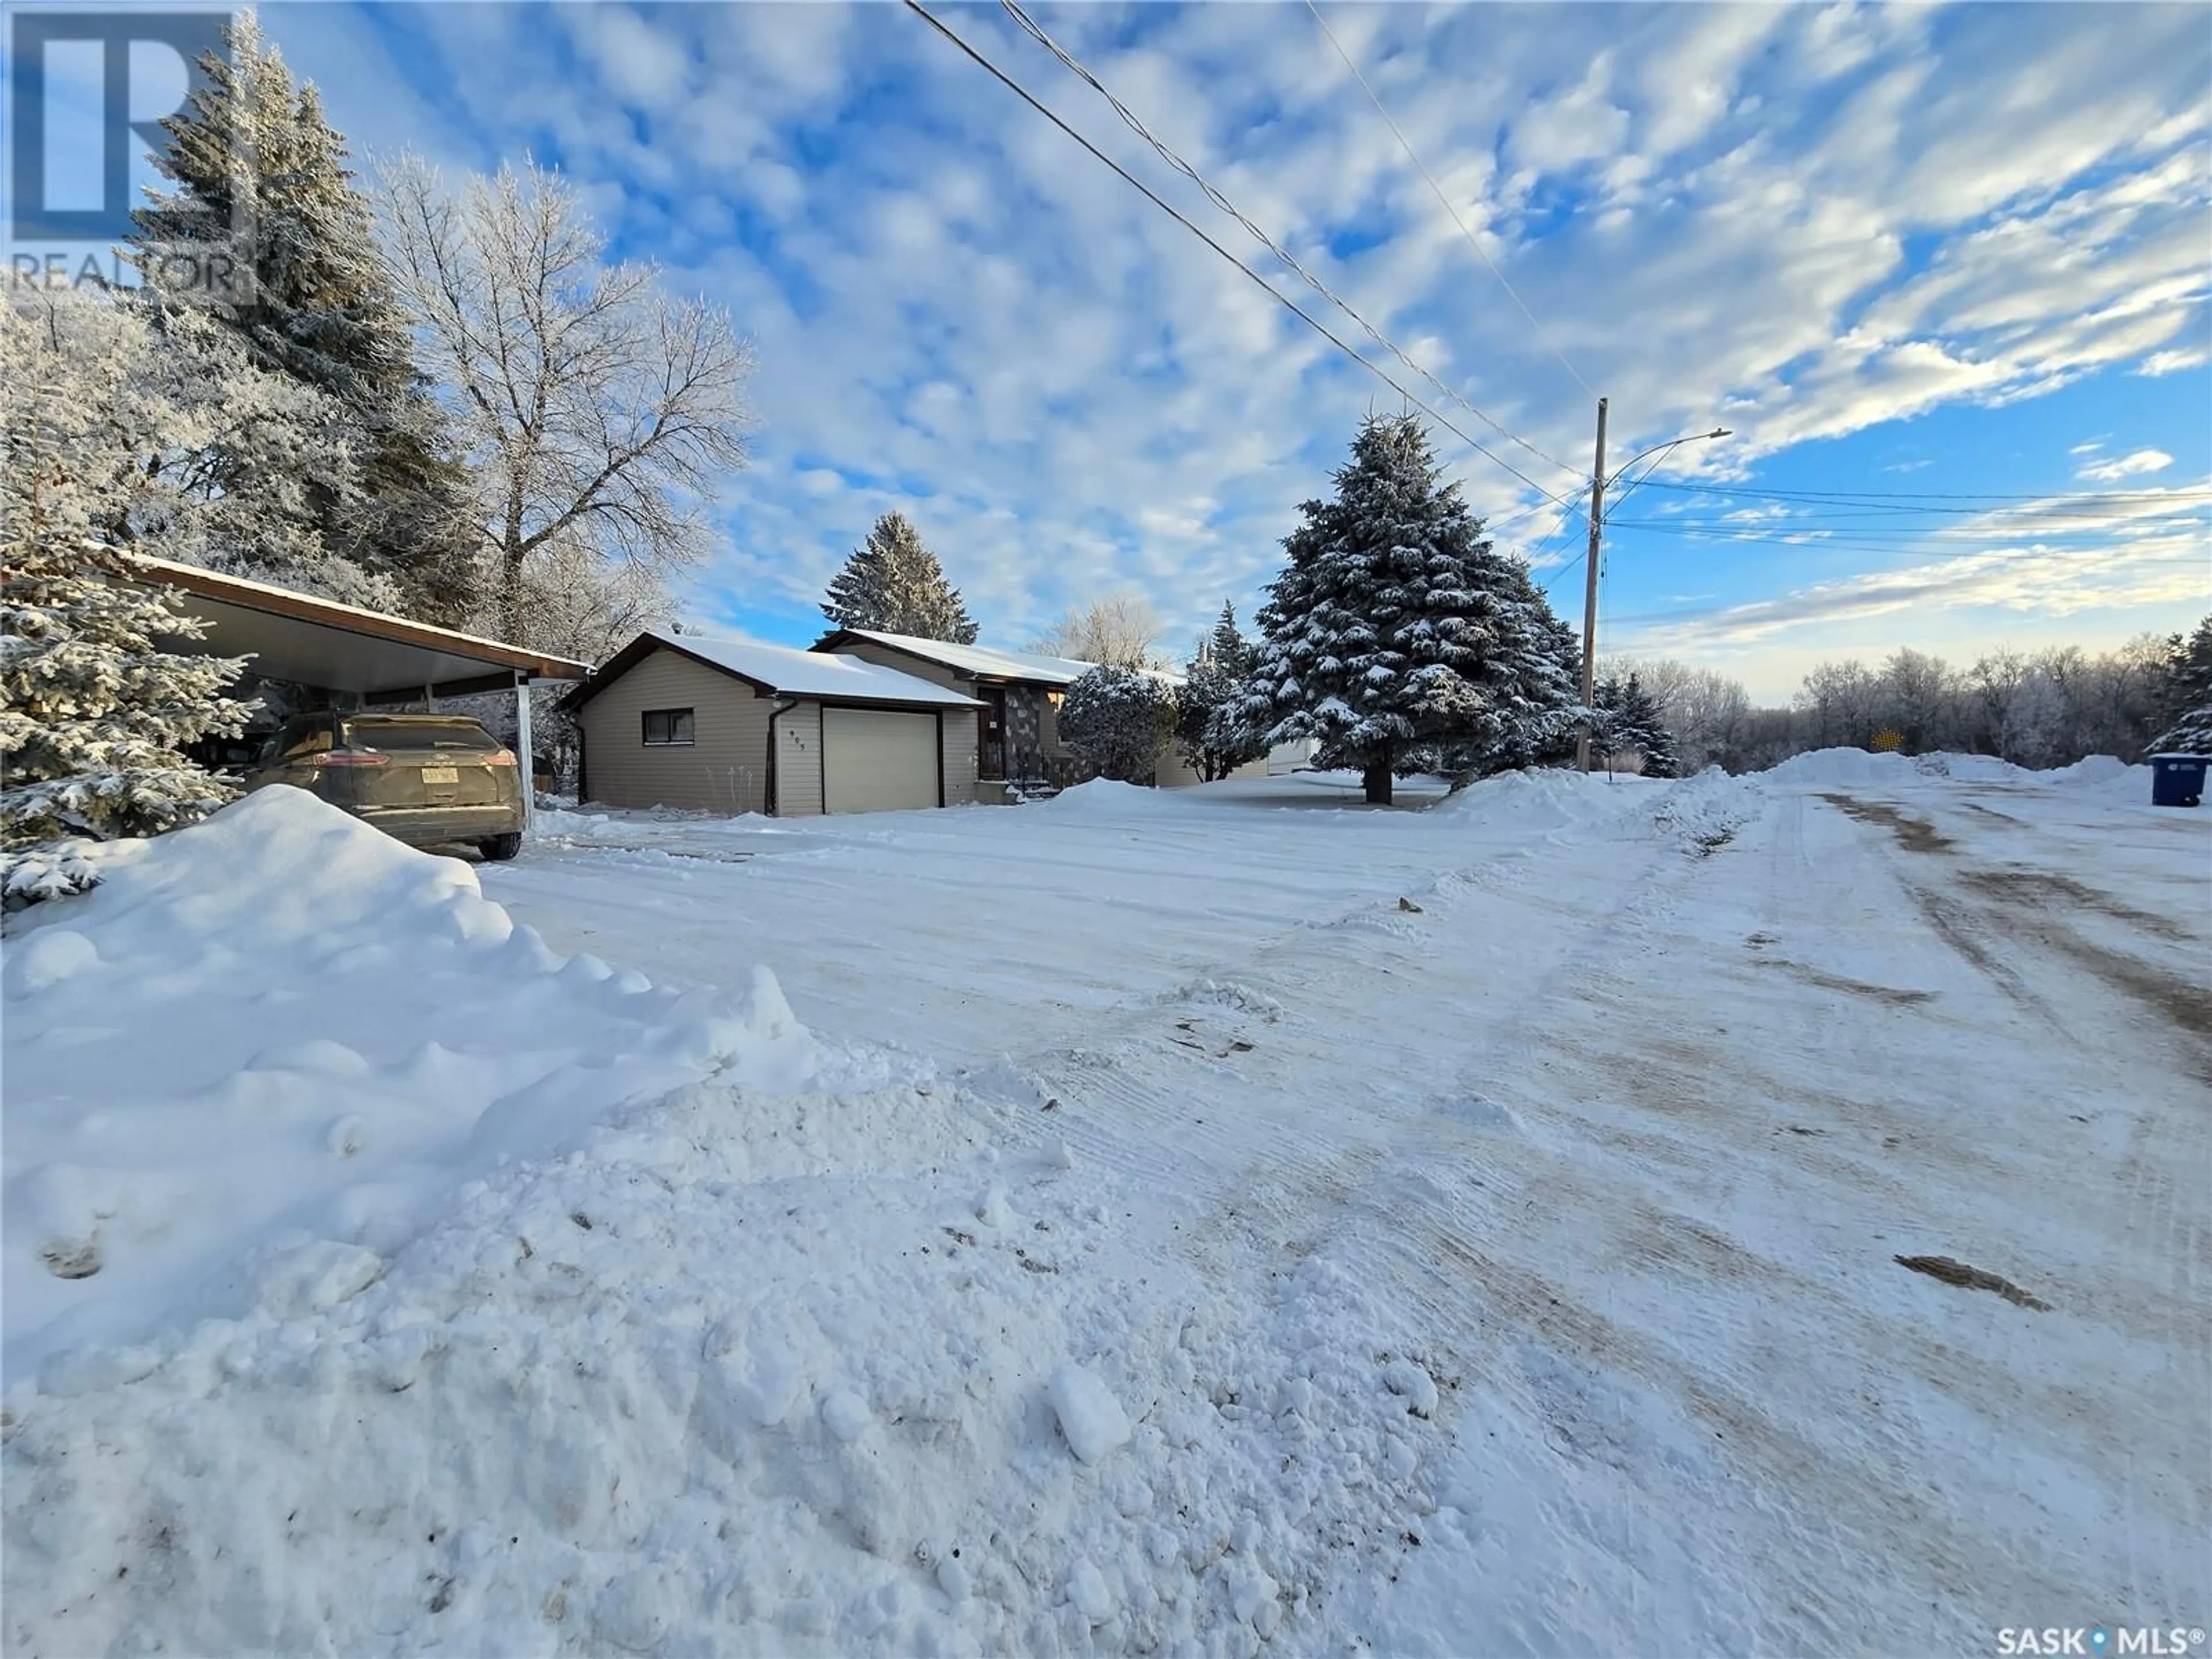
column 1120, row 631
column 599, row 411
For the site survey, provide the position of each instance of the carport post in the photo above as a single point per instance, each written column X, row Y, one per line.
column 526, row 758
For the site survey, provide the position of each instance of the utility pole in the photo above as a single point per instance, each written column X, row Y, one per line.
column 1590, row 590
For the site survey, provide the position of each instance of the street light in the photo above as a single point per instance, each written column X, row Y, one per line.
column 1671, row 443
column 1598, row 482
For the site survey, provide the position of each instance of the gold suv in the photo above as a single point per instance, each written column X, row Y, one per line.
column 424, row 779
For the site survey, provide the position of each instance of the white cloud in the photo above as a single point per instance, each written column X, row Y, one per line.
column 2173, row 363
column 1813, row 220
column 2132, row 465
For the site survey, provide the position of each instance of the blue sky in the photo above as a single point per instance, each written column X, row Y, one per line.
column 1896, row 249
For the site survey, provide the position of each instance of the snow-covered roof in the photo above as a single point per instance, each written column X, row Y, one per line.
column 981, row 660
column 794, row 673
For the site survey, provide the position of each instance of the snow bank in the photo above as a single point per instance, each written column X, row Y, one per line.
column 1104, row 798
column 2103, row 777
column 1972, row 768
column 821, row 1372
column 2095, row 770
column 1842, row 766
column 1700, row 814
column 1543, row 798
column 267, row 1048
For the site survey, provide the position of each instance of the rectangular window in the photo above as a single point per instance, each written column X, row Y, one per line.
column 667, row 727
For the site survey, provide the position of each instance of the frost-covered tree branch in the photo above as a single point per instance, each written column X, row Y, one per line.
column 597, row 410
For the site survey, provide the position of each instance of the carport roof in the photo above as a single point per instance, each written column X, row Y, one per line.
column 782, row 672
column 342, row 647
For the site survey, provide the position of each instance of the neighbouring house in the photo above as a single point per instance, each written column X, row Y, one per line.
column 1019, row 692
column 1018, row 695
column 728, row 725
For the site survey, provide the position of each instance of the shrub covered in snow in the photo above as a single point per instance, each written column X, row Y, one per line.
column 1117, row 719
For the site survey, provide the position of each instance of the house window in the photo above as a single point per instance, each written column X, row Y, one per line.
column 667, row 728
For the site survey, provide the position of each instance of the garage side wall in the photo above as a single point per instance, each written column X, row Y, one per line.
column 724, row 769
column 799, row 762
column 959, row 738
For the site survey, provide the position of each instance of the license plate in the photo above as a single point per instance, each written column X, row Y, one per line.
column 440, row 774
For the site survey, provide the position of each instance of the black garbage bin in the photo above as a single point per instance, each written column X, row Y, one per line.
column 2178, row 779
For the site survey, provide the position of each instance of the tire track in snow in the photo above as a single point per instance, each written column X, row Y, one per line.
column 2023, row 927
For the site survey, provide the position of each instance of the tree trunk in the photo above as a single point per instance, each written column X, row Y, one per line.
column 1376, row 777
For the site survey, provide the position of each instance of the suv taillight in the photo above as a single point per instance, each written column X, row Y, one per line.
column 500, row 757
column 350, row 758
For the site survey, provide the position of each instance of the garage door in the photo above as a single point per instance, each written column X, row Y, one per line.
column 877, row 762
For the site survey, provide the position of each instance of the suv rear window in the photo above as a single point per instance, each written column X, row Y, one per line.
column 420, row 734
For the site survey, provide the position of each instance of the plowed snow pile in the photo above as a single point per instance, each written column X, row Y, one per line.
column 266, row 1048
column 1823, row 767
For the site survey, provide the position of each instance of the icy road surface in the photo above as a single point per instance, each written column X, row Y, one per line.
column 1471, row 1230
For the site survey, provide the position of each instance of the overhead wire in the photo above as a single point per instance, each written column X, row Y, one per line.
column 1438, row 190
column 1214, row 194
column 1865, row 497
column 1261, row 282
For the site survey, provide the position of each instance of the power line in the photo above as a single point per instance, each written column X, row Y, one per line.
column 1130, row 119
column 1565, row 570
column 1860, row 536
column 1406, row 144
column 1865, row 497
column 1948, row 548
column 1261, row 282
column 1265, row 287
column 1650, row 467
column 1567, row 511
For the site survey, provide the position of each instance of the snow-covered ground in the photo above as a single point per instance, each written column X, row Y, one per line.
column 1158, row 1222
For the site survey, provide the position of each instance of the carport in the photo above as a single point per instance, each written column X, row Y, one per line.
column 354, row 657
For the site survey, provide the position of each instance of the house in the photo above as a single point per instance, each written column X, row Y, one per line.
column 728, row 725
column 1019, row 691
column 1018, row 695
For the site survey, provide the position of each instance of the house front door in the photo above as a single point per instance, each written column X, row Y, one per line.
column 990, row 732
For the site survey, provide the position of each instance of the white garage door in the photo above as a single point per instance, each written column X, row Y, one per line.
column 876, row 761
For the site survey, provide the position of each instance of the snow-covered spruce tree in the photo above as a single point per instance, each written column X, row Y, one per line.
column 1117, row 719
column 1214, row 746
column 95, row 713
column 2187, row 699
column 894, row 585
column 1630, row 718
column 224, row 455
column 1398, row 636
column 263, row 192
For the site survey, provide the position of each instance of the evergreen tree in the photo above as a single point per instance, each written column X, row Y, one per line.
column 894, row 585
column 1227, row 649
column 1399, row 637
column 1117, row 719
column 1630, row 718
column 95, row 713
column 263, row 190
column 2186, row 703
column 1215, row 744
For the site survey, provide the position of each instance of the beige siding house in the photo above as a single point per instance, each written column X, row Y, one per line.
column 727, row 726
column 1018, row 735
